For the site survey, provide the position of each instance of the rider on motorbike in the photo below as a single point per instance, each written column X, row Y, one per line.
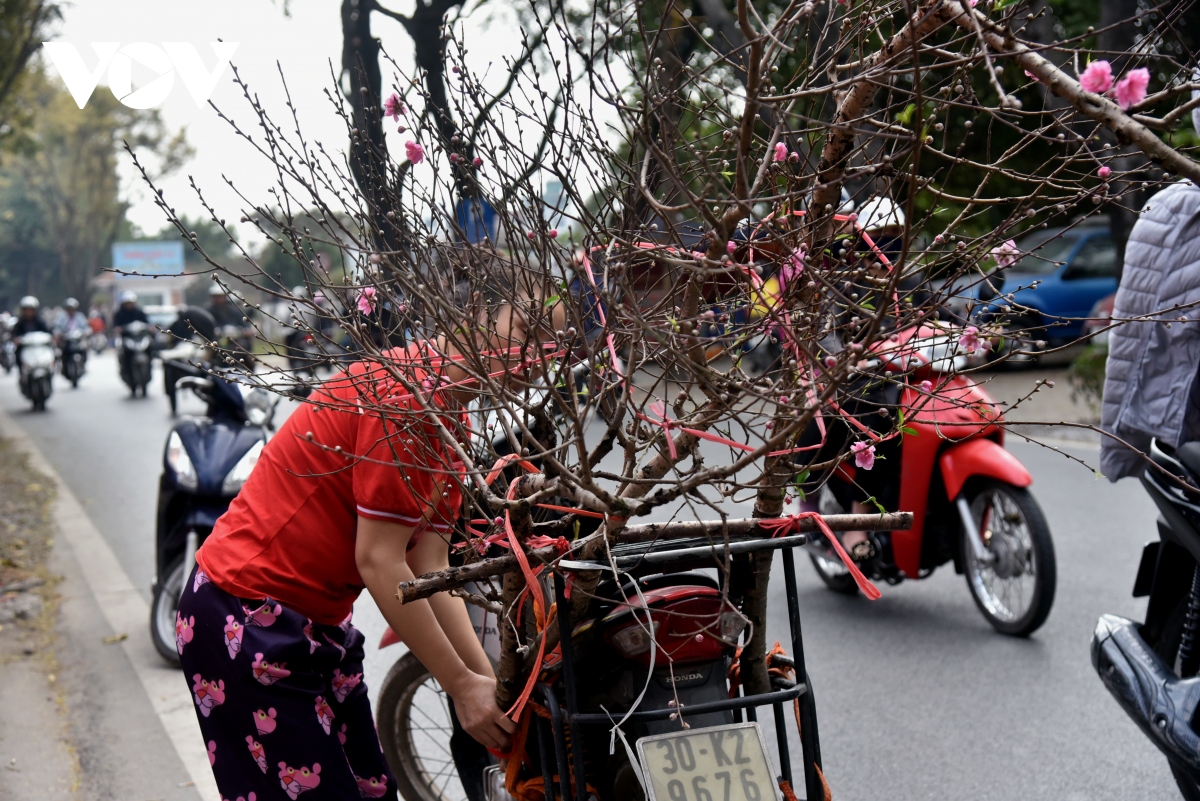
column 863, row 398
column 28, row 321
column 72, row 319
column 128, row 312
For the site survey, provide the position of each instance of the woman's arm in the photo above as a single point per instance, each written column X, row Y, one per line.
column 380, row 554
column 432, row 553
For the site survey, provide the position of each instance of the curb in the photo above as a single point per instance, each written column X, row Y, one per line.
column 125, row 611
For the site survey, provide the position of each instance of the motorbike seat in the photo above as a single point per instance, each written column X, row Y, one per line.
column 1189, row 455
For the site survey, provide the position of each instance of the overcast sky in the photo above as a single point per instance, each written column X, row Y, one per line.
column 303, row 46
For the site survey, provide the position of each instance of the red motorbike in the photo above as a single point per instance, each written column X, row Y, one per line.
column 969, row 496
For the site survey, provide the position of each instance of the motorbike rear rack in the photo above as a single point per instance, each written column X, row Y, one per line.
column 683, row 555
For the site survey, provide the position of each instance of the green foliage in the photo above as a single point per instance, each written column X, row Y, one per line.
column 23, row 26
column 65, row 182
column 1087, row 375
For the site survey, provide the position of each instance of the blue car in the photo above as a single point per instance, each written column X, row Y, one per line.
column 1056, row 285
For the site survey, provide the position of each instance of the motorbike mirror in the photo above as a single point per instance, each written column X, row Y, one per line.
column 195, row 383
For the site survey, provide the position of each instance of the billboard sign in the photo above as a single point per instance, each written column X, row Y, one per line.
column 132, row 259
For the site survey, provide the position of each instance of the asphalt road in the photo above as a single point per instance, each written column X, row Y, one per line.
column 917, row 697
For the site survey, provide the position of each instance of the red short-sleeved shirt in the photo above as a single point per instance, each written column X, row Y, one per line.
column 290, row 532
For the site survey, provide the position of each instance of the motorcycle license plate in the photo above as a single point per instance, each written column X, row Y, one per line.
column 722, row 763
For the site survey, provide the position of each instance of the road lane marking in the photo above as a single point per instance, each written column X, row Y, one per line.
column 126, row 611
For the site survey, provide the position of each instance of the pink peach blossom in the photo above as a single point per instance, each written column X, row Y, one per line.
column 972, row 343
column 1006, row 254
column 1097, row 77
column 864, row 455
column 1131, row 89
column 926, row 386
column 415, row 153
column 393, row 106
column 780, row 151
column 1104, row 172
column 366, row 300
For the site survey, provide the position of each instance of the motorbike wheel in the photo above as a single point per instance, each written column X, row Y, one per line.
column 413, row 720
column 834, row 574
column 830, row 570
column 163, row 609
column 1016, row 590
column 41, row 392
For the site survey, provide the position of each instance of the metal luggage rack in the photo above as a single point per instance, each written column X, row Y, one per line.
column 682, row 555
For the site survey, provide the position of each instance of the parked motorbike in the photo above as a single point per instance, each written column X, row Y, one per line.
column 134, row 356
column 205, row 463
column 8, row 348
column 74, row 357
column 969, row 496
column 38, row 356
column 662, row 638
column 1152, row 669
column 684, row 614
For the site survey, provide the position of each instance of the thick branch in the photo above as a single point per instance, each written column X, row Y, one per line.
column 450, row 578
column 1098, row 108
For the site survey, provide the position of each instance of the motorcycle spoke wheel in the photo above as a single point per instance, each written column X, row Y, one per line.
column 163, row 608
column 414, row 726
column 1014, row 589
column 830, row 569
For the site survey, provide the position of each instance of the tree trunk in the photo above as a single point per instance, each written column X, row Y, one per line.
column 368, row 152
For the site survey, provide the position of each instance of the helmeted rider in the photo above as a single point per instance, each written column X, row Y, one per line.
column 225, row 312
column 128, row 312
column 882, row 222
column 72, row 318
column 29, row 320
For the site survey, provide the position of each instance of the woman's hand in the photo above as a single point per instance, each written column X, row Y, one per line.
column 381, row 553
column 475, row 705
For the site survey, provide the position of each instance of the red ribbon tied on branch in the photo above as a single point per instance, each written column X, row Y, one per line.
column 782, row 526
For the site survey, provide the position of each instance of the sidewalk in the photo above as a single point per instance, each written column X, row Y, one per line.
column 88, row 712
column 35, row 753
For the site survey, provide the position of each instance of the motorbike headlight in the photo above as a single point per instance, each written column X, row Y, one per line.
column 179, row 461
column 236, row 477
